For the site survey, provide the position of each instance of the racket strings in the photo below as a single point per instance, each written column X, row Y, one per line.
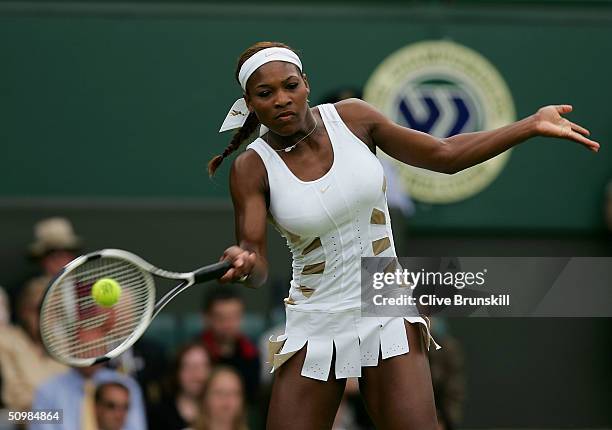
column 75, row 327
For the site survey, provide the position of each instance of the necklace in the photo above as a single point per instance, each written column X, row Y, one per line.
column 289, row 148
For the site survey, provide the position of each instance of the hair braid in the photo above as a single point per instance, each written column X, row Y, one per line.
column 241, row 135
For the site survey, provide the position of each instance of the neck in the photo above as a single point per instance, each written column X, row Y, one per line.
column 187, row 407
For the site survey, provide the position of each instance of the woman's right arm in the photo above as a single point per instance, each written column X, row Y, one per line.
column 248, row 189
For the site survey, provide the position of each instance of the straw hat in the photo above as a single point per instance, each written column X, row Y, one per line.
column 53, row 234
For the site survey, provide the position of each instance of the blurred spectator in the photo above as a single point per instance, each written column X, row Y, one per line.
column 73, row 392
column 24, row 364
column 180, row 404
column 341, row 94
column 223, row 339
column 112, row 401
column 55, row 244
column 447, row 374
column 5, row 308
column 145, row 362
column 223, row 402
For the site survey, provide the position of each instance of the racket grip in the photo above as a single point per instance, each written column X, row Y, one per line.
column 212, row 271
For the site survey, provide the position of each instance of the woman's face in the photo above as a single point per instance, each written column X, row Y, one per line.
column 194, row 370
column 223, row 401
column 275, row 88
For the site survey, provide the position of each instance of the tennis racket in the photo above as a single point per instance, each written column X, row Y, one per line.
column 78, row 331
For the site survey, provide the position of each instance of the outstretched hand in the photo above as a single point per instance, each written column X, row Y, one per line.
column 550, row 123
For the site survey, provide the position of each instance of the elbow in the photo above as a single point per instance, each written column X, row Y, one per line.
column 446, row 160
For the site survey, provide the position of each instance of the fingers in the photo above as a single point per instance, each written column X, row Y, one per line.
column 562, row 109
column 228, row 277
column 579, row 129
column 242, row 260
column 578, row 132
column 590, row 144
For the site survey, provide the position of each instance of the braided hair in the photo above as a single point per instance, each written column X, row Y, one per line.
column 251, row 123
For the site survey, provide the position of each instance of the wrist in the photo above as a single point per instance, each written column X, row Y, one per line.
column 256, row 276
column 532, row 123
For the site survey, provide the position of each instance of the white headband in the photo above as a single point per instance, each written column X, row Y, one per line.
column 238, row 113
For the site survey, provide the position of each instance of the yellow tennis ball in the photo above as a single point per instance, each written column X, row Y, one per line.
column 106, row 292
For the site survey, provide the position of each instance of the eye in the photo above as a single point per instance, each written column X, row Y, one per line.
column 264, row 94
column 292, row 85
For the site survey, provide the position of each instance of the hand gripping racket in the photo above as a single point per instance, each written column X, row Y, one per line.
column 78, row 331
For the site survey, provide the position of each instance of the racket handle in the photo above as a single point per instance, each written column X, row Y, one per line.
column 213, row 271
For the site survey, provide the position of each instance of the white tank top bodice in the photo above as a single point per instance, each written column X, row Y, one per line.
column 330, row 222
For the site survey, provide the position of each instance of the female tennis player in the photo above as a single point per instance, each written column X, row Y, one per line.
column 313, row 175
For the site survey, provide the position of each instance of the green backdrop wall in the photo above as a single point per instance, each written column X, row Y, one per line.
column 111, row 100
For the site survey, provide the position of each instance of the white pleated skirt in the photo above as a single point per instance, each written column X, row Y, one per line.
column 357, row 341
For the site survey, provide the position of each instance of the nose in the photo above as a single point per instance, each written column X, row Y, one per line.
column 282, row 99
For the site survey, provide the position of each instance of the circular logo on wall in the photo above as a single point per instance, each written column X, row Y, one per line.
column 442, row 88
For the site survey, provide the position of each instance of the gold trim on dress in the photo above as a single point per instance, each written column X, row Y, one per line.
column 306, row 291
column 316, row 243
column 391, row 267
column 313, row 269
column 273, row 347
column 380, row 245
column 280, row 359
column 377, row 217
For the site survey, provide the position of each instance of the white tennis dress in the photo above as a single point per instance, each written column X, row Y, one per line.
column 329, row 224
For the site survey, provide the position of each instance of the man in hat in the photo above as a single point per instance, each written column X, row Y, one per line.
column 55, row 244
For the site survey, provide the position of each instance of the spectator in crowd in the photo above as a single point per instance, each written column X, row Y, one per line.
column 24, row 363
column 145, row 362
column 74, row 392
column 55, row 245
column 180, row 404
column 112, row 400
column 222, row 402
column 342, row 93
column 223, row 339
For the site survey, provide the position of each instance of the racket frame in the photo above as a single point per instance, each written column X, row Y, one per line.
column 187, row 279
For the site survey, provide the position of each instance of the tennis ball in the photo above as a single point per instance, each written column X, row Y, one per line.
column 106, row 292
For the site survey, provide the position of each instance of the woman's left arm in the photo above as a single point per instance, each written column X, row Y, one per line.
column 453, row 154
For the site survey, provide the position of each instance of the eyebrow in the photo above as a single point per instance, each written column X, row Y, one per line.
column 285, row 80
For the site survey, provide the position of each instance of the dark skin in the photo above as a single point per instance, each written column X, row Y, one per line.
column 398, row 392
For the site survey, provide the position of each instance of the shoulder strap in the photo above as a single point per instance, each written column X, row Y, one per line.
column 270, row 160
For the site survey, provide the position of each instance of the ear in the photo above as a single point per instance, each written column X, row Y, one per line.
column 306, row 82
